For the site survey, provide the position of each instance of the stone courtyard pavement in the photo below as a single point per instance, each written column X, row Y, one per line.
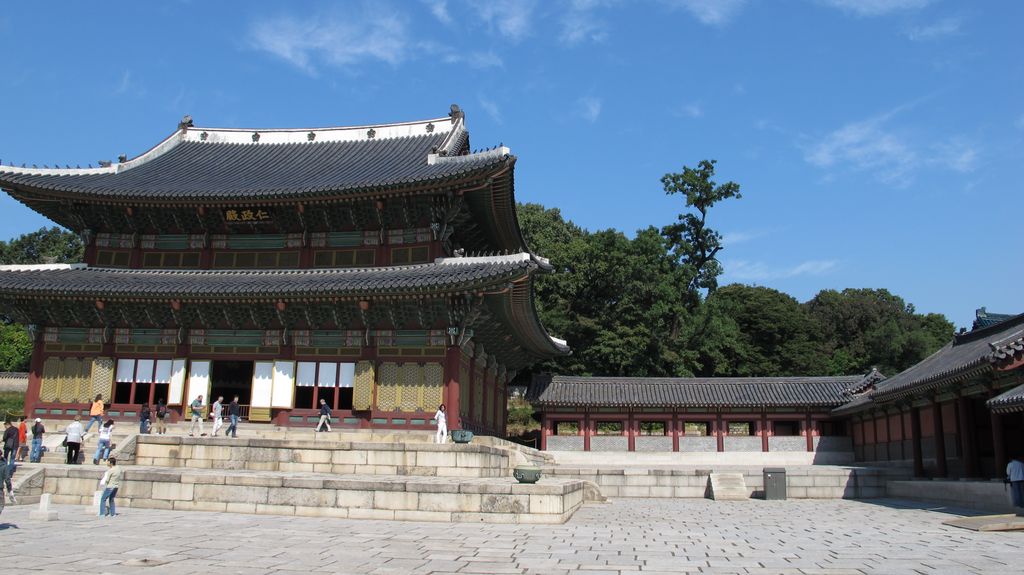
column 623, row 536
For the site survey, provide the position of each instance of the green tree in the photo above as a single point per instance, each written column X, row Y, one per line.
column 45, row 246
column 15, row 347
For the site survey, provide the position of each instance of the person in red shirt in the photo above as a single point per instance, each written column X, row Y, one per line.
column 22, row 439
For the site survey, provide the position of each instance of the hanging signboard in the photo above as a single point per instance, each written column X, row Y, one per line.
column 248, row 215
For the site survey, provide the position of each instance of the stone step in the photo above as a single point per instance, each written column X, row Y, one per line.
column 728, row 487
column 444, row 499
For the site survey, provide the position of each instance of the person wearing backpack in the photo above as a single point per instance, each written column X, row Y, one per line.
column 37, row 441
column 325, row 416
column 145, row 417
column 161, row 415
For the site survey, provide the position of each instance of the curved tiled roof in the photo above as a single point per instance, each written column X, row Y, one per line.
column 827, row 391
column 229, row 164
column 79, row 281
column 1008, row 402
column 965, row 356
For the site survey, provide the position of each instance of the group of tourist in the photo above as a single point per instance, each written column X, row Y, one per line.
column 217, row 413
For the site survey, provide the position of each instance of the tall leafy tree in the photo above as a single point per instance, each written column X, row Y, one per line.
column 47, row 245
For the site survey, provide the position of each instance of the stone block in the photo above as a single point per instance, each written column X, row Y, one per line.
column 634, row 491
column 447, row 487
column 379, row 469
column 321, row 511
column 136, row 489
column 173, row 491
column 264, row 509
column 312, row 456
column 381, row 457
column 506, row 518
column 486, row 487
column 436, row 459
column 824, row 493
column 166, row 505
column 199, row 463
column 348, row 457
column 353, row 499
column 396, row 500
column 322, row 467
column 409, row 515
column 133, row 474
column 303, row 482
column 505, row 504
column 364, row 513
column 297, row 497
column 295, row 467
column 241, row 508
column 200, row 506
column 416, row 471
column 231, row 493
column 539, row 488
column 546, row 504
column 796, row 492
column 659, row 491
column 343, row 469
column 205, row 478
column 254, row 480
column 453, row 502
column 684, row 491
column 262, row 465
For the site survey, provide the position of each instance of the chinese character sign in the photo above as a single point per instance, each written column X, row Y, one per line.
column 247, row 215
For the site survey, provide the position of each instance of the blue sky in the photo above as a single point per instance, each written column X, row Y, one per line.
column 878, row 143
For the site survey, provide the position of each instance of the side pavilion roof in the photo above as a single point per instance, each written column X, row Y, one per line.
column 752, row 392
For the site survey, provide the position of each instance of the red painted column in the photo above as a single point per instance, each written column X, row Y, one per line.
column 675, row 432
column 968, row 443
column 809, row 426
column 915, row 433
column 940, row 440
column 545, row 431
column 763, row 424
column 586, row 431
column 452, row 356
column 35, row 379
column 631, row 432
column 720, row 432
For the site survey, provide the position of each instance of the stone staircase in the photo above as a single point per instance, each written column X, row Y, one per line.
column 727, row 487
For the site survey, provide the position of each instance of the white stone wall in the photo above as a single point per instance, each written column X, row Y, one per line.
column 609, row 443
column 565, row 443
column 787, row 443
column 653, row 443
column 698, row 444
column 742, row 443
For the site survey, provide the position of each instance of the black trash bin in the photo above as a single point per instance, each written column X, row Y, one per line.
column 774, row 483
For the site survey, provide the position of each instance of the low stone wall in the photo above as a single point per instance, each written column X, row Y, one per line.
column 984, row 495
column 489, row 500
column 807, row 482
column 701, row 458
column 338, row 457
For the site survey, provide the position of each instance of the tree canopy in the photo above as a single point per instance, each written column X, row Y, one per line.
column 651, row 305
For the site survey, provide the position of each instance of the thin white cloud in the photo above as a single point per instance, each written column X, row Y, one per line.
column 310, row 42
column 941, row 29
column 491, row 108
column 1020, row 122
column 740, row 237
column 710, row 12
column 689, row 110
column 439, row 8
column 876, row 7
column 449, row 55
column 511, row 18
column 589, row 108
column 127, row 84
column 580, row 23
column 866, row 145
column 760, row 271
column 957, row 154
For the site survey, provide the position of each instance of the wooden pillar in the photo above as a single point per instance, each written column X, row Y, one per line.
column 545, row 431
column 720, row 432
column 903, row 435
column 630, row 431
column 452, row 357
column 586, row 431
column 999, row 444
column 35, row 380
column 915, row 434
column 809, row 427
column 763, row 424
column 941, row 469
column 675, row 431
column 968, row 441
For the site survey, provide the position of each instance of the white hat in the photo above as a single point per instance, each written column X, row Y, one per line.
column 39, row 420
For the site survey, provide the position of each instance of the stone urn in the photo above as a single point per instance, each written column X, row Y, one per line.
column 526, row 473
column 462, row 435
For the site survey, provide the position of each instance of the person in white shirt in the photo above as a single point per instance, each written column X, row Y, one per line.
column 103, row 445
column 218, row 415
column 1015, row 474
column 442, row 425
column 74, row 439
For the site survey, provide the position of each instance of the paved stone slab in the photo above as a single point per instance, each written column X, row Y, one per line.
column 624, row 536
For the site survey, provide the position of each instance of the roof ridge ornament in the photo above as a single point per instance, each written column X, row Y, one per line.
column 456, row 113
column 186, row 122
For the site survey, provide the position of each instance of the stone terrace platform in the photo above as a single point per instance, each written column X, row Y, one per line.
column 417, row 498
column 324, row 456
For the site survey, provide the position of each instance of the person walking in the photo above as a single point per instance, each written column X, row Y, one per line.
column 10, row 456
column 37, row 441
column 197, row 417
column 234, row 411
column 145, row 418
column 103, row 445
column 73, row 441
column 1015, row 474
column 22, row 439
column 95, row 413
column 218, row 415
column 161, row 416
column 442, row 424
column 111, row 482
column 325, row 416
